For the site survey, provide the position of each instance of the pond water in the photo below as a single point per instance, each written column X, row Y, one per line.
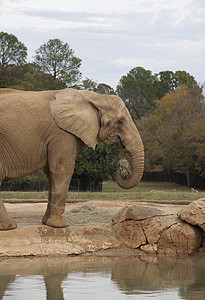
column 100, row 278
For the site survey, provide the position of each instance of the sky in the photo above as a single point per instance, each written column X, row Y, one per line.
column 114, row 36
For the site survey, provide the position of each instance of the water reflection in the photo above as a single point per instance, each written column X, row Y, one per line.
column 126, row 276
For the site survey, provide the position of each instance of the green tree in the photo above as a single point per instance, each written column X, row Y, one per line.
column 101, row 88
column 37, row 80
column 26, row 77
column 140, row 88
column 88, row 84
column 173, row 134
column 57, row 59
column 12, row 51
column 169, row 81
column 138, row 91
column 99, row 164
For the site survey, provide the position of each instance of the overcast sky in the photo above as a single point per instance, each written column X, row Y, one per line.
column 114, row 36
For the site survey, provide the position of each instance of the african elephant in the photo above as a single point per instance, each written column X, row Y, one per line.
column 48, row 129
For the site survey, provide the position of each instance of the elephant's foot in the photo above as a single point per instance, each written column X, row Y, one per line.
column 55, row 221
column 7, row 224
column 45, row 218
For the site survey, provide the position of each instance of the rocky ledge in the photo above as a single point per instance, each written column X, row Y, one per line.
column 98, row 226
column 156, row 230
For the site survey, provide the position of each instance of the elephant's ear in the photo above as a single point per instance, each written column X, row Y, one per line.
column 74, row 113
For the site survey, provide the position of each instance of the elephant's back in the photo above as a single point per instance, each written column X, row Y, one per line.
column 25, row 109
column 14, row 103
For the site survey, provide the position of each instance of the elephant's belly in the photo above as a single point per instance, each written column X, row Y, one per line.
column 14, row 165
column 21, row 172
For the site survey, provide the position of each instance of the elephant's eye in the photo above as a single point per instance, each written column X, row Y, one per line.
column 120, row 122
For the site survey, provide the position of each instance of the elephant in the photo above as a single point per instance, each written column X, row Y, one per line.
column 48, row 129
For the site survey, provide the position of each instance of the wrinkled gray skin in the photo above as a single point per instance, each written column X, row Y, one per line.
column 48, row 130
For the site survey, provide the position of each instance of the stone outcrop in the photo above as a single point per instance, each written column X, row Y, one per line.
column 154, row 230
column 194, row 213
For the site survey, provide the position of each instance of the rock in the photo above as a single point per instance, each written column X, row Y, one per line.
column 155, row 231
column 149, row 248
column 136, row 213
column 155, row 226
column 130, row 233
column 194, row 213
column 180, row 238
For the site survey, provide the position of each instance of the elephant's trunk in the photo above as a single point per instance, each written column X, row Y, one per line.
column 129, row 174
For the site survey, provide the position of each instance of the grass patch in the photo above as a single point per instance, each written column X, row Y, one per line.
column 162, row 191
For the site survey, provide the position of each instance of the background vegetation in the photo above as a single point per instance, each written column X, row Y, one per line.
column 168, row 108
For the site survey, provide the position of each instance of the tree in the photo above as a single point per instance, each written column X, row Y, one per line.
column 88, row 84
column 169, row 81
column 99, row 164
column 174, row 133
column 101, row 88
column 12, row 51
column 57, row 59
column 140, row 88
column 137, row 89
column 38, row 80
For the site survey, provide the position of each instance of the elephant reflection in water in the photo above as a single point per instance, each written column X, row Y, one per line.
column 53, row 284
column 4, row 283
column 130, row 274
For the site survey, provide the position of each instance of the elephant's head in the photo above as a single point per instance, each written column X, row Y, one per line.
column 101, row 118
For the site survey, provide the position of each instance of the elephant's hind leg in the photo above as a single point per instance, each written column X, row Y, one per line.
column 6, row 222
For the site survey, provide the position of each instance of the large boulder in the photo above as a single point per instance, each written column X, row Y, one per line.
column 155, row 230
column 194, row 213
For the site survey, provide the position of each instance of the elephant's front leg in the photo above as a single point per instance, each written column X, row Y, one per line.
column 58, row 183
column 62, row 153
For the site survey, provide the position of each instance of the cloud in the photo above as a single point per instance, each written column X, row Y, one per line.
column 111, row 37
column 104, row 15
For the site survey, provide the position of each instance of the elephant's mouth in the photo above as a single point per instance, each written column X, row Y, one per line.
column 119, row 142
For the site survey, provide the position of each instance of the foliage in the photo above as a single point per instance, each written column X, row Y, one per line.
column 169, row 81
column 57, row 59
column 26, row 77
column 174, row 134
column 12, row 51
column 99, row 164
column 12, row 76
column 137, row 89
column 33, row 182
column 101, row 88
column 140, row 88
column 39, row 81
